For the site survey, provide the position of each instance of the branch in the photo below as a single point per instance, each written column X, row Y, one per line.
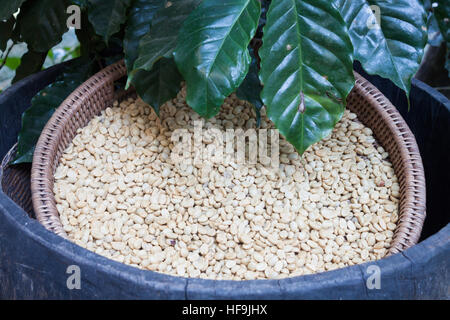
column 6, row 56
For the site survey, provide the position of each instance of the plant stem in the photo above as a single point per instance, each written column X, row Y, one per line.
column 6, row 56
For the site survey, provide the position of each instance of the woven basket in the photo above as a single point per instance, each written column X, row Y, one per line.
column 15, row 181
column 372, row 108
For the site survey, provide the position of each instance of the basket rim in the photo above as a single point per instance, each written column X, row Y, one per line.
column 410, row 222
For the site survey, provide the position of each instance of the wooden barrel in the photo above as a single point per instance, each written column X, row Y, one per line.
column 34, row 262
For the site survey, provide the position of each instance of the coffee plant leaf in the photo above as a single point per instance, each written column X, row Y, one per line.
column 442, row 14
column 434, row 33
column 81, row 3
column 388, row 37
column 31, row 62
column 6, row 30
column 212, row 53
column 158, row 85
column 137, row 25
column 9, row 7
column 107, row 16
column 161, row 40
column 250, row 88
column 42, row 23
column 44, row 104
column 306, row 69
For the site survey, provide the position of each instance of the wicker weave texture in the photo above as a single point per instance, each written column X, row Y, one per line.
column 15, row 181
column 372, row 108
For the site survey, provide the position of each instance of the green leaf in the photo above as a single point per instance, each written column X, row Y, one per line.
column 81, row 3
column 44, row 104
column 161, row 40
column 12, row 62
column 138, row 24
column 6, row 29
column 89, row 41
column 160, row 84
column 107, row 16
column 306, row 69
column 265, row 4
column 34, row 119
column 442, row 13
column 393, row 48
column 31, row 62
column 212, row 52
column 42, row 23
column 250, row 88
column 9, row 7
column 434, row 34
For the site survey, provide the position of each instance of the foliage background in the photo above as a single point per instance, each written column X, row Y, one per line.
column 68, row 49
column 303, row 68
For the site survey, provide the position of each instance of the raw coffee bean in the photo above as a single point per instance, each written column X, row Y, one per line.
column 120, row 194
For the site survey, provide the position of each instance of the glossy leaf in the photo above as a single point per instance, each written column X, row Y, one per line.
column 393, row 45
column 262, row 20
column 212, row 52
column 434, row 33
column 43, row 105
column 31, row 62
column 90, row 42
column 306, row 69
column 442, row 13
column 250, row 88
column 161, row 40
column 9, row 7
column 160, row 84
column 107, row 16
column 6, row 29
column 42, row 23
column 138, row 24
column 81, row 3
